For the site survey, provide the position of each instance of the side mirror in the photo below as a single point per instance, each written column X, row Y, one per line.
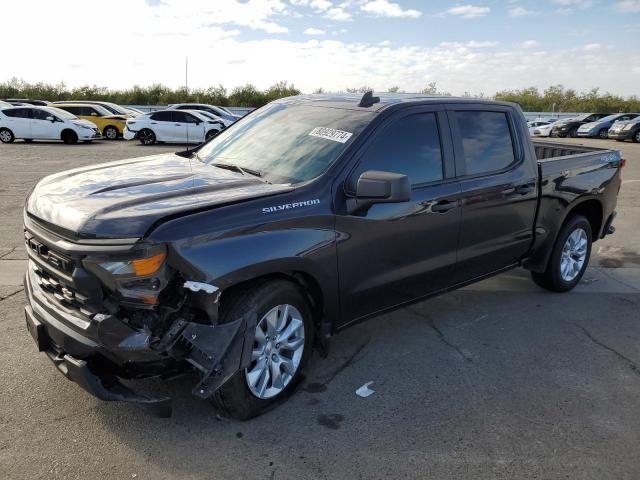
column 94, row 114
column 379, row 187
column 51, row 119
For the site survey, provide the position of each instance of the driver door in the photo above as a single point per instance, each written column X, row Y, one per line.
column 44, row 129
column 394, row 253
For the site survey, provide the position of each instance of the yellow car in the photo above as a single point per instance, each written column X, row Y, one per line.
column 111, row 126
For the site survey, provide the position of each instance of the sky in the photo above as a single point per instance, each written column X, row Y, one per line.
column 479, row 47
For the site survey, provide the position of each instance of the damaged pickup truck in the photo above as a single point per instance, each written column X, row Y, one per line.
column 235, row 259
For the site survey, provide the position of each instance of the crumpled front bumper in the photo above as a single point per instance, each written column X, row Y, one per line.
column 109, row 349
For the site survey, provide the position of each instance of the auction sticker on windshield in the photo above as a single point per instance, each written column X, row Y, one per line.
column 331, row 134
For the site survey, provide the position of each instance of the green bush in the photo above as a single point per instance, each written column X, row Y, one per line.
column 245, row 96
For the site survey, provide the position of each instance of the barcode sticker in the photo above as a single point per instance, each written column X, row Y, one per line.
column 331, row 134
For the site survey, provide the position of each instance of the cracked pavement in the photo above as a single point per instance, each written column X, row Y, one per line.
column 497, row 380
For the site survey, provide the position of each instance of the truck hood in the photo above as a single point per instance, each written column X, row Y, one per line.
column 124, row 199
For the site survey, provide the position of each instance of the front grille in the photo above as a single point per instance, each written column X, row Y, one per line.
column 63, row 294
column 62, row 280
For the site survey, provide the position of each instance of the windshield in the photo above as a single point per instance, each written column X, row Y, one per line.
column 609, row 118
column 63, row 113
column 287, row 143
column 115, row 108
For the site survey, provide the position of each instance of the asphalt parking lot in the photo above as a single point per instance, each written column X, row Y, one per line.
column 498, row 380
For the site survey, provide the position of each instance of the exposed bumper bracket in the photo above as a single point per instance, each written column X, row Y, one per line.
column 78, row 371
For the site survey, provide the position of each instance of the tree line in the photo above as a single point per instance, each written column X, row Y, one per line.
column 555, row 98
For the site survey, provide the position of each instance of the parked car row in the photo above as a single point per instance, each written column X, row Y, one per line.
column 68, row 120
column 591, row 125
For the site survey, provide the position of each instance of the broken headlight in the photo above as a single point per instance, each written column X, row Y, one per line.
column 138, row 277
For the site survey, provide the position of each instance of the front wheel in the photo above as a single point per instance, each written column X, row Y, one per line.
column 636, row 137
column 147, row 137
column 569, row 258
column 110, row 133
column 210, row 134
column 282, row 346
column 69, row 137
column 6, row 135
column 573, row 133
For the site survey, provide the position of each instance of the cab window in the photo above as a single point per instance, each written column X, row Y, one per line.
column 409, row 146
column 487, row 142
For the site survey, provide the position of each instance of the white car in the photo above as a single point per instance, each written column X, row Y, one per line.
column 221, row 112
column 4, row 104
column 180, row 126
column 44, row 123
column 535, row 124
column 542, row 130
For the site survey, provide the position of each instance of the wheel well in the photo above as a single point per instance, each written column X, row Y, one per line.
column 592, row 210
column 309, row 286
column 66, row 132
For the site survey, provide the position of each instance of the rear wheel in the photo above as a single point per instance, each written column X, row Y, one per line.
column 110, row 132
column 569, row 258
column 6, row 135
column 282, row 347
column 147, row 137
column 69, row 137
column 603, row 133
column 636, row 137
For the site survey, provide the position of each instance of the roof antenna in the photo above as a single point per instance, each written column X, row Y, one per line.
column 368, row 99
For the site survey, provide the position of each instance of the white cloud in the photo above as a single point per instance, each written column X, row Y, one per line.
column 338, row 13
column 221, row 54
column 384, row 8
column 520, row 12
column 628, row 6
column 569, row 6
column 467, row 11
column 590, row 47
column 321, row 5
column 314, row 31
column 529, row 44
column 384, row 43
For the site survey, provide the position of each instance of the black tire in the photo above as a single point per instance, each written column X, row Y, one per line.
column 573, row 133
column 146, row 136
column 551, row 278
column 234, row 398
column 603, row 133
column 110, row 133
column 6, row 135
column 69, row 137
column 210, row 134
column 28, row 140
column 636, row 137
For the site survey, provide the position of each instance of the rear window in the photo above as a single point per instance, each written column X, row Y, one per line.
column 487, row 143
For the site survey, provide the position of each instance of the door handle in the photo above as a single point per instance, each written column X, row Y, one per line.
column 443, row 206
column 524, row 189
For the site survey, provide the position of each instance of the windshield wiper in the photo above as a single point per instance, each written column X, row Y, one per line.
column 242, row 170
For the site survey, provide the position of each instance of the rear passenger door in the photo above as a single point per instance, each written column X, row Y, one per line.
column 498, row 184
column 18, row 122
column 395, row 253
column 162, row 125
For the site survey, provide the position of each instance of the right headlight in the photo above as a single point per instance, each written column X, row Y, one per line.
column 139, row 278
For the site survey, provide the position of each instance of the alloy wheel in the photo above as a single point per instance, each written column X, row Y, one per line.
column 574, row 254
column 277, row 351
column 5, row 136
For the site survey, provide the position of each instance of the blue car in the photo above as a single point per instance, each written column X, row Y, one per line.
column 600, row 128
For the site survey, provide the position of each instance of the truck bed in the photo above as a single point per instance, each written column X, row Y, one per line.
column 554, row 151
